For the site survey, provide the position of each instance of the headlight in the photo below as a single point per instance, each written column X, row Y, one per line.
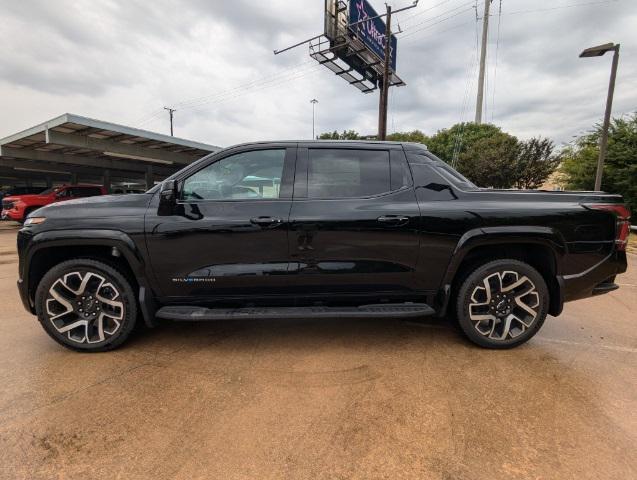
column 34, row 221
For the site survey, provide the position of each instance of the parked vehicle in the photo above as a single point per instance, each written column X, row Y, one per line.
column 20, row 191
column 126, row 190
column 318, row 229
column 18, row 207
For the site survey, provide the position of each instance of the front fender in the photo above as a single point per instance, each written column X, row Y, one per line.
column 29, row 244
column 67, row 238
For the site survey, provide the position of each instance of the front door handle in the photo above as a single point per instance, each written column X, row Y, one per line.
column 266, row 221
column 393, row 220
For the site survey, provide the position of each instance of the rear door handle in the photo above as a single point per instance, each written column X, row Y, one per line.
column 266, row 221
column 393, row 219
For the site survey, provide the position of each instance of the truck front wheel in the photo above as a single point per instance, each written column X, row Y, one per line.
column 502, row 304
column 86, row 305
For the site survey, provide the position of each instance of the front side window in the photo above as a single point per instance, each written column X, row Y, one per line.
column 244, row 176
column 345, row 173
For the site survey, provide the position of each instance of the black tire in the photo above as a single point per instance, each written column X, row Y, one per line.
column 507, row 323
column 120, row 320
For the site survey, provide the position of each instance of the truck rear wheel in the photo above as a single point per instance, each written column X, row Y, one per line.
column 86, row 305
column 502, row 304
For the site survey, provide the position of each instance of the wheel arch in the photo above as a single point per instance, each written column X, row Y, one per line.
column 540, row 247
column 111, row 246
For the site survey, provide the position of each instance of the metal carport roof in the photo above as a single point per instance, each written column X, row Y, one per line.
column 80, row 146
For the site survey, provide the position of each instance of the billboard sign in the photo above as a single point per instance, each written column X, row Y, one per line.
column 371, row 32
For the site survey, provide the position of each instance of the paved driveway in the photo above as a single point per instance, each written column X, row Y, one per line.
column 322, row 399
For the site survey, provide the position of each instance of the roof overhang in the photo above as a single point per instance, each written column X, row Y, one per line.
column 72, row 142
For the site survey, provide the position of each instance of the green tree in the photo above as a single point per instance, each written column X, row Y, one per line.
column 579, row 160
column 485, row 154
column 535, row 162
column 415, row 136
column 491, row 161
column 459, row 138
column 346, row 135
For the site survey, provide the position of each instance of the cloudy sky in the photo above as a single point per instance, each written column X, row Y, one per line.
column 212, row 60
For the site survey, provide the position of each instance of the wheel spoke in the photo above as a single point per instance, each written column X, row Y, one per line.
column 526, row 307
column 505, row 329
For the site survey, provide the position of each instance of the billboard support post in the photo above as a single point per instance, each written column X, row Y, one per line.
column 359, row 47
column 384, row 88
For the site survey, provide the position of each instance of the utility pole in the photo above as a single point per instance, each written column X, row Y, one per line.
column 483, row 58
column 384, row 88
column 314, row 101
column 170, row 112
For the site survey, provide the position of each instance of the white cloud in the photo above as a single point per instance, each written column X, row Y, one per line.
column 122, row 61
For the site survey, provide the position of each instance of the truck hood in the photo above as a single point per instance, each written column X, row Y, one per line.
column 99, row 206
column 30, row 198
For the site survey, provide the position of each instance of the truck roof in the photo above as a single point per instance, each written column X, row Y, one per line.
column 411, row 145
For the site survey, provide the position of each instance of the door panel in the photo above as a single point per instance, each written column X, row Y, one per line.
column 213, row 246
column 352, row 245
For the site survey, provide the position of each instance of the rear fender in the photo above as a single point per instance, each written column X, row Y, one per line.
column 502, row 236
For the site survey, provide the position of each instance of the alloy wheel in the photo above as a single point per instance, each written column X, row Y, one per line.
column 85, row 307
column 504, row 305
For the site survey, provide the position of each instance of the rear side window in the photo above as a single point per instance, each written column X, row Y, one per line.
column 344, row 173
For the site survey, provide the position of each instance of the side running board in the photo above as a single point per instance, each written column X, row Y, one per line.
column 402, row 310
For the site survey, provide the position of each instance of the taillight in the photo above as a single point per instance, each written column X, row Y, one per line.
column 622, row 215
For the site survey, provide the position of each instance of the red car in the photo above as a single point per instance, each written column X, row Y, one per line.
column 17, row 207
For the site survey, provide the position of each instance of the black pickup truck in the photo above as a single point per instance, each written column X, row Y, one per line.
column 318, row 229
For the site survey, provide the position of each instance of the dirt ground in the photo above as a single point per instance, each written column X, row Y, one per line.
column 318, row 399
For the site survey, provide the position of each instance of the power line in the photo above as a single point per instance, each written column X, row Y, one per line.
column 290, row 71
column 412, row 32
column 407, row 19
column 438, row 32
column 148, row 118
column 472, row 67
column 572, row 5
column 299, row 75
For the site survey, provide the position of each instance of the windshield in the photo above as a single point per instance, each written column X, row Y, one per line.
column 174, row 175
column 49, row 190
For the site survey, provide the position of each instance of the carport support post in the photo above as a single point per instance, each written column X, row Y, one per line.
column 74, row 178
column 49, row 182
column 107, row 180
column 149, row 177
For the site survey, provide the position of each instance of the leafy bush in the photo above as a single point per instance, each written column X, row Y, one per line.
column 579, row 160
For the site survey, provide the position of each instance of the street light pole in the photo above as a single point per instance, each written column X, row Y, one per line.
column 603, row 141
column 314, row 101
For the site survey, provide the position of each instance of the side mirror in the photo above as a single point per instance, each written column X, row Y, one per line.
column 168, row 197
